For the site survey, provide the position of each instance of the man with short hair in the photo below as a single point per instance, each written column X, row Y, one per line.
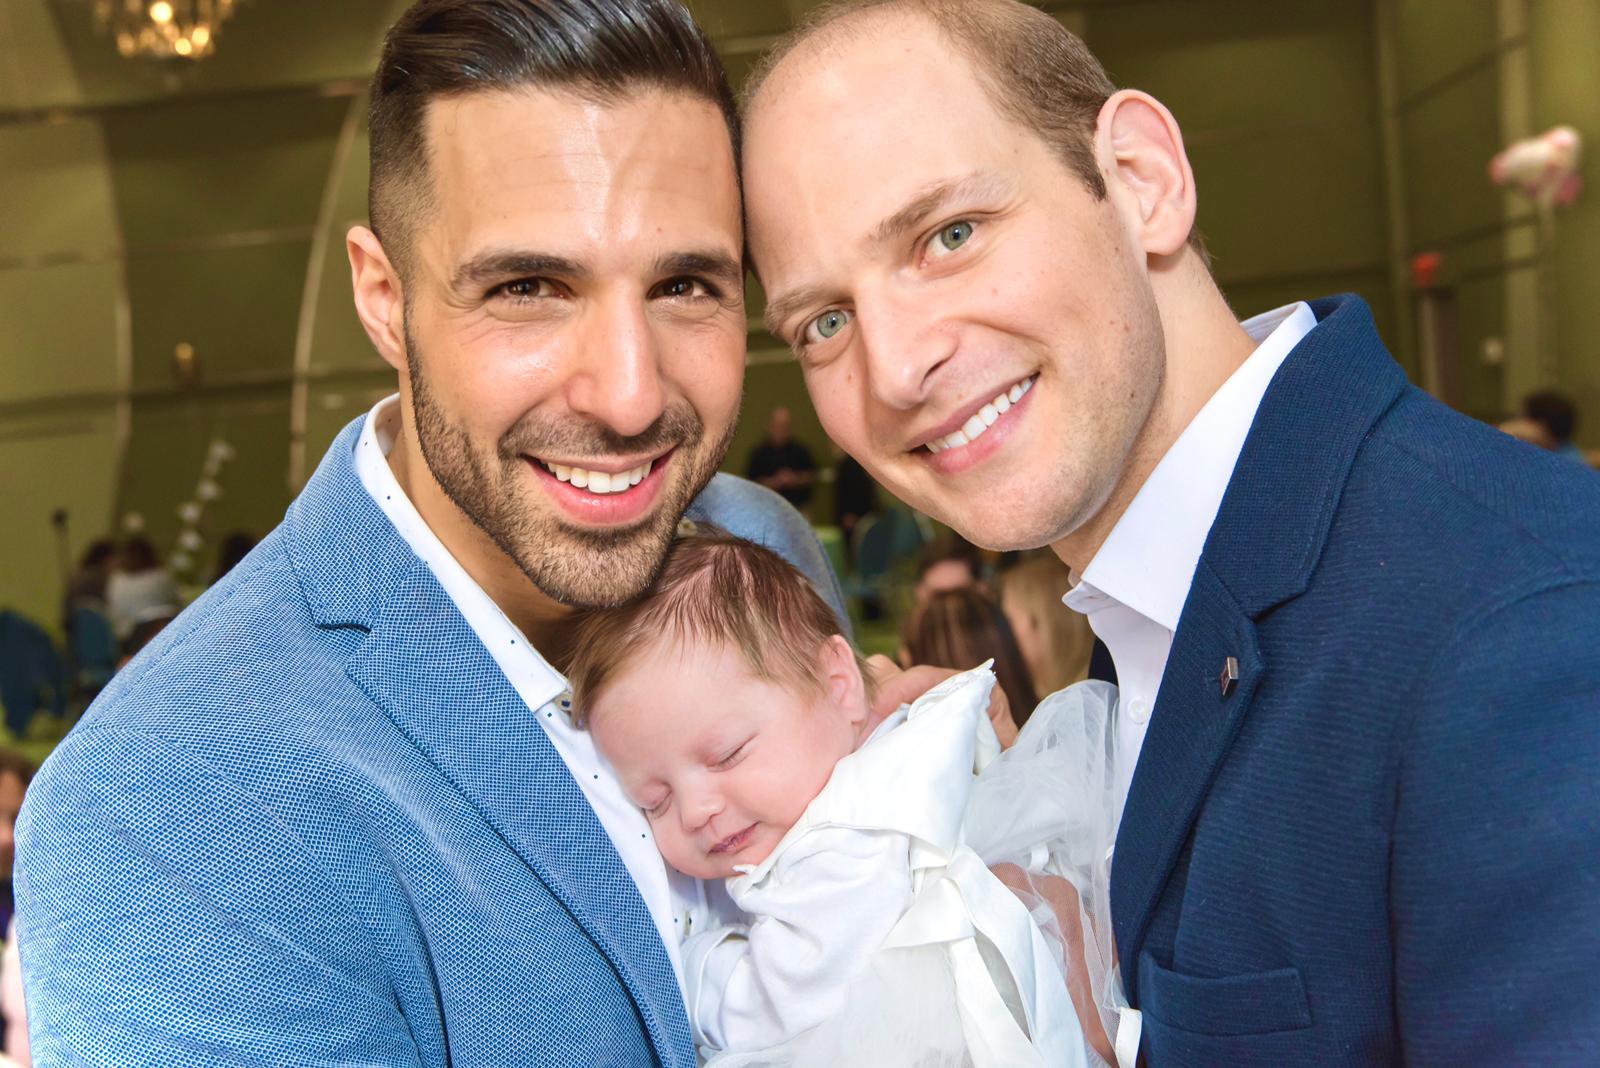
column 1359, row 713
column 781, row 463
column 337, row 814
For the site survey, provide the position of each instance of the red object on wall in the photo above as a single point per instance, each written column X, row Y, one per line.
column 1425, row 269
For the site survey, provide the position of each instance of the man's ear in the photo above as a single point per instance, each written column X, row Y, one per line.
column 841, row 677
column 1140, row 149
column 379, row 297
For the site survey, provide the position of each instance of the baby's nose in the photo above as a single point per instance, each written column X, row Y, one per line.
column 700, row 809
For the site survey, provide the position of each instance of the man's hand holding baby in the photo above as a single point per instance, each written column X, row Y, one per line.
column 900, row 686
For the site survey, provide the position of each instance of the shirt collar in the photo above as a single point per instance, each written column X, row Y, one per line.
column 540, row 683
column 1147, row 562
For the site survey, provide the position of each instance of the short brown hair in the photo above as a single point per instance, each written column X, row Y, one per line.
column 714, row 588
column 1036, row 72
column 603, row 50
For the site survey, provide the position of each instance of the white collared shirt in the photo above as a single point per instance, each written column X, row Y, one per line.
column 1134, row 589
column 671, row 897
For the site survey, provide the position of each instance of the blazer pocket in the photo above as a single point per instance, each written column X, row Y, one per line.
column 1254, row 1004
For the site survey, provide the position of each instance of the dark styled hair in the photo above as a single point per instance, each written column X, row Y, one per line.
column 138, row 555
column 601, row 50
column 1036, row 72
column 1552, row 410
column 961, row 629
column 715, row 588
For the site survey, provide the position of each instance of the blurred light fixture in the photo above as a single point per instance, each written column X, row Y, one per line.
column 164, row 29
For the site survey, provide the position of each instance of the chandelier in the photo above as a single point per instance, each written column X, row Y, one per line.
column 164, row 29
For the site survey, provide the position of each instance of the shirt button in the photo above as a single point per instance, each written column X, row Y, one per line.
column 1139, row 712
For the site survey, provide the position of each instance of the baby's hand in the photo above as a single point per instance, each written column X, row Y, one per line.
column 900, row 686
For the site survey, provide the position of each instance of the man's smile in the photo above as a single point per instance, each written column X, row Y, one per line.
column 604, row 493
column 975, row 433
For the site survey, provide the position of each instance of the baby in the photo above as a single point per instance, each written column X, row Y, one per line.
column 740, row 720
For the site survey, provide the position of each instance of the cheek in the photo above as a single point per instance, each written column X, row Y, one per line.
column 707, row 368
column 838, row 402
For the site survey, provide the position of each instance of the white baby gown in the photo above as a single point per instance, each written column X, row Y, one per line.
column 877, row 934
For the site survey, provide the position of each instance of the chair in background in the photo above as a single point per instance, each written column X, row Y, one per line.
column 94, row 650
column 33, row 677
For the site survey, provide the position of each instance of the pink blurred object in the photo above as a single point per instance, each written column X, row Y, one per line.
column 1544, row 168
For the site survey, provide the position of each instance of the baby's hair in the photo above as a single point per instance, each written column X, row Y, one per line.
column 714, row 588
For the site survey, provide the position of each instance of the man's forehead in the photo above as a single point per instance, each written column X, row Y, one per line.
column 509, row 168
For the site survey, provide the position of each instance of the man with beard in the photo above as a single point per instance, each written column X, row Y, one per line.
column 1358, row 727
column 337, row 814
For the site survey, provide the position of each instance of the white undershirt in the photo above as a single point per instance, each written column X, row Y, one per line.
column 1134, row 589
column 669, row 896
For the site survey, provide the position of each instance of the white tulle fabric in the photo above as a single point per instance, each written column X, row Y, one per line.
column 1049, row 806
column 970, row 974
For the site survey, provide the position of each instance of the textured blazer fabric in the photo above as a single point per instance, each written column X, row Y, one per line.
column 313, row 825
column 1379, row 843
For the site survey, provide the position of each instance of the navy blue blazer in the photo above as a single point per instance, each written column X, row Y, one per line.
column 313, row 825
column 1380, row 844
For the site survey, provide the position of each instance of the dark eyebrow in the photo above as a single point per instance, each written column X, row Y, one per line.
column 498, row 265
column 714, row 264
column 910, row 218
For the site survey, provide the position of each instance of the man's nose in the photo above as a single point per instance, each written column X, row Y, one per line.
column 618, row 376
column 906, row 343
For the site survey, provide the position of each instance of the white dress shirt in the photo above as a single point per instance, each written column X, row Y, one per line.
column 669, row 896
column 1134, row 589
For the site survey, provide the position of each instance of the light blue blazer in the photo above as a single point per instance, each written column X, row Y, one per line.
column 312, row 824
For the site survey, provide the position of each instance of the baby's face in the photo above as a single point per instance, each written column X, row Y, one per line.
column 723, row 763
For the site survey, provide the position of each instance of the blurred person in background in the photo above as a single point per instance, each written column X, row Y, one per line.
column 235, row 547
column 15, row 774
column 1056, row 642
column 855, row 496
column 140, row 589
column 960, row 628
column 950, row 562
column 1558, row 416
column 1530, row 431
column 781, row 463
column 86, row 587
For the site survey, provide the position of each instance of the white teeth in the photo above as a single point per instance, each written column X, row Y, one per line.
column 985, row 418
column 599, row 482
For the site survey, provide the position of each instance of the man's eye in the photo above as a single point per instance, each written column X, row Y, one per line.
column 523, row 289
column 685, row 288
column 950, row 238
column 826, row 325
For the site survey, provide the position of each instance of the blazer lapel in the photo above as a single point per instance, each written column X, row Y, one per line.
column 1262, row 550
column 1211, row 678
column 428, row 670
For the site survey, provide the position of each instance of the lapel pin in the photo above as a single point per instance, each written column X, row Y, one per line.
column 1229, row 679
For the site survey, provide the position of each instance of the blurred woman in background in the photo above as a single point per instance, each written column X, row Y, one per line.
column 961, row 628
column 1055, row 641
